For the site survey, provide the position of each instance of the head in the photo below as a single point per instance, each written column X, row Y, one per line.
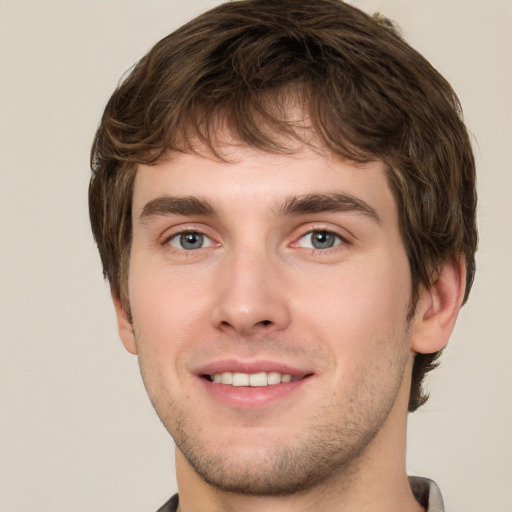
column 364, row 95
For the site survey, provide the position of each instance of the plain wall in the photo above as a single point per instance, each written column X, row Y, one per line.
column 77, row 432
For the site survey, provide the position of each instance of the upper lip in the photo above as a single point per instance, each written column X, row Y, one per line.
column 250, row 367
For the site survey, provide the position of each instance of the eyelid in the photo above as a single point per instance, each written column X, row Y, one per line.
column 338, row 240
column 344, row 235
column 185, row 228
column 207, row 241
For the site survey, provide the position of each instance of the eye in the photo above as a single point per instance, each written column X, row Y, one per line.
column 190, row 241
column 319, row 240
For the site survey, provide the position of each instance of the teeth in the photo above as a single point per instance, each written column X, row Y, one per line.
column 258, row 379
column 240, row 379
column 273, row 378
column 251, row 379
column 226, row 378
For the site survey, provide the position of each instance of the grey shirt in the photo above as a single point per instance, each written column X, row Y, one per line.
column 425, row 491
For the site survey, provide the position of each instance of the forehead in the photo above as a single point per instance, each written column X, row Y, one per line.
column 251, row 176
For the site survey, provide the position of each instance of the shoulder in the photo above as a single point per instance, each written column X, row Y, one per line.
column 170, row 506
column 427, row 493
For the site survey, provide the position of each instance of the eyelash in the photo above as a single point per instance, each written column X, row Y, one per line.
column 339, row 239
column 181, row 234
column 190, row 229
column 339, row 242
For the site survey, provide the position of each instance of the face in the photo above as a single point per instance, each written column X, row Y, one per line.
column 269, row 297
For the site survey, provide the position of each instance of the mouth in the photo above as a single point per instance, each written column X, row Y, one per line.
column 242, row 384
column 252, row 384
column 259, row 379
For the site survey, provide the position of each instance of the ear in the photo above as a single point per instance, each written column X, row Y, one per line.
column 124, row 325
column 438, row 308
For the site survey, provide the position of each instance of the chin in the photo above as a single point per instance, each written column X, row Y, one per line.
column 275, row 467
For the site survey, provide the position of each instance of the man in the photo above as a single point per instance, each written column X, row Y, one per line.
column 283, row 198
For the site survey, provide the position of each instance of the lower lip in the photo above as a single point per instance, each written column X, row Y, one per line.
column 247, row 397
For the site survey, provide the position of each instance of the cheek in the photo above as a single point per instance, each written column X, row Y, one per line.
column 356, row 306
column 377, row 292
column 165, row 326
column 165, row 307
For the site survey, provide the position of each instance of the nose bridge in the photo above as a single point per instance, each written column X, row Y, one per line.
column 250, row 296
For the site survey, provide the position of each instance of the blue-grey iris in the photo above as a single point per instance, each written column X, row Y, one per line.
column 191, row 241
column 322, row 239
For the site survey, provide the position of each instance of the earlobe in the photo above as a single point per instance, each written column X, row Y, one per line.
column 124, row 325
column 438, row 308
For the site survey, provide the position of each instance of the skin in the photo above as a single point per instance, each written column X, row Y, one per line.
column 257, row 292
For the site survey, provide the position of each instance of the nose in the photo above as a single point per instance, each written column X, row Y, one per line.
column 251, row 295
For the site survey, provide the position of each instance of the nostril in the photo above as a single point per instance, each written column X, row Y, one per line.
column 265, row 322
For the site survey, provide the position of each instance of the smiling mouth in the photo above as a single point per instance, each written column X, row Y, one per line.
column 259, row 379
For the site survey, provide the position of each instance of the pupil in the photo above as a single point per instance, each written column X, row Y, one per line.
column 191, row 240
column 322, row 240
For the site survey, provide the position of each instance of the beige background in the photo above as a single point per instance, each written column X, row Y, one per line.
column 77, row 432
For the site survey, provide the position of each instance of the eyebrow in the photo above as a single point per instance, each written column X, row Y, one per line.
column 334, row 202
column 294, row 205
column 172, row 205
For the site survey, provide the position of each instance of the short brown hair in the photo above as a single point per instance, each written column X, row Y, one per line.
column 366, row 93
